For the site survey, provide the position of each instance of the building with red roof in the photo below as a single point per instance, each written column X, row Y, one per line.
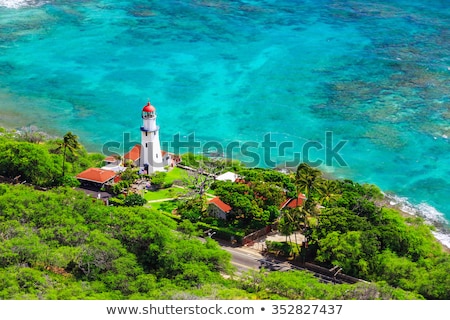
column 294, row 202
column 218, row 209
column 96, row 177
column 110, row 159
column 133, row 155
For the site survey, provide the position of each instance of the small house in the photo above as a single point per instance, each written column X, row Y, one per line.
column 218, row 209
column 96, row 177
column 227, row 176
column 133, row 155
column 294, row 202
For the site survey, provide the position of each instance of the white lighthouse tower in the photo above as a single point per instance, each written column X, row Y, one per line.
column 150, row 156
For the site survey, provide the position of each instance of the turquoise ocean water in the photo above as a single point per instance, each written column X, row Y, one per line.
column 375, row 74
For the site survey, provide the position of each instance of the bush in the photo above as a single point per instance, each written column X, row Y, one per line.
column 69, row 181
column 134, row 200
column 279, row 248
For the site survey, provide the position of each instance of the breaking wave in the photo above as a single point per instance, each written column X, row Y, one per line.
column 16, row 4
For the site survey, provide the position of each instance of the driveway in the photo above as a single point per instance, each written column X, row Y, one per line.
column 260, row 244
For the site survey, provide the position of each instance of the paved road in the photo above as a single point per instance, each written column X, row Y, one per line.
column 243, row 258
column 247, row 258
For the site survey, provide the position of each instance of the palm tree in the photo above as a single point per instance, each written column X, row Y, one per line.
column 293, row 220
column 328, row 191
column 305, row 179
column 285, row 227
column 69, row 143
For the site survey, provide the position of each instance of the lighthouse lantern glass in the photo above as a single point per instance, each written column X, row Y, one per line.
column 148, row 115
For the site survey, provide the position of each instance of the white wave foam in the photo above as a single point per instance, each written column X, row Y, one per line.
column 443, row 238
column 16, row 4
column 429, row 213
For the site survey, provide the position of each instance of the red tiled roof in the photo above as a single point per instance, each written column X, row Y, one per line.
column 111, row 159
column 96, row 175
column 134, row 153
column 294, row 202
column 220, row 204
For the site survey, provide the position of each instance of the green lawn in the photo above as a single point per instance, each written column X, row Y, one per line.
column 154, row 205
column 176, row 174
column 163, row 193
column 172, row 192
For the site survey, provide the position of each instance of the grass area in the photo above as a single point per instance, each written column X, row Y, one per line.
column 176, row 174
column 163, row 193
column 166, row 206
column 170, row 193
column 155, row 205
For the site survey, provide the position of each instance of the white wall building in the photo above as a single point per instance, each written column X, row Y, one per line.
column 148, row 156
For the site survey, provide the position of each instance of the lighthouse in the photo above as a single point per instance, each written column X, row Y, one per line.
column 151, row 159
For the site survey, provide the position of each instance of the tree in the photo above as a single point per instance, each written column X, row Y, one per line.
column 188, row 228
column 24, row 161
column 201, row 179
column 268, row 194
column 438, row 282
column 294, row 220
column 193, row 204
column 134, row 199
column 69, row 143
column 306, row 178
column 328, row 191
column 192, row 208
column 344, row 250
column 129, row 175
column 158, row 179
column 192, row 262
column 287, row 226
column 30, row 134
column 397, row 271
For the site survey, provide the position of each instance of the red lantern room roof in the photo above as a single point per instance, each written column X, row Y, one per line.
column 148, row 108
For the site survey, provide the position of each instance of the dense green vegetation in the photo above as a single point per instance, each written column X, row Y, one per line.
column 63, row 244
column 345, row 223
column 346, row 227
column 28, row 157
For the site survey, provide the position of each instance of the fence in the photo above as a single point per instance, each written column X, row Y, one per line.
column 257, row 234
